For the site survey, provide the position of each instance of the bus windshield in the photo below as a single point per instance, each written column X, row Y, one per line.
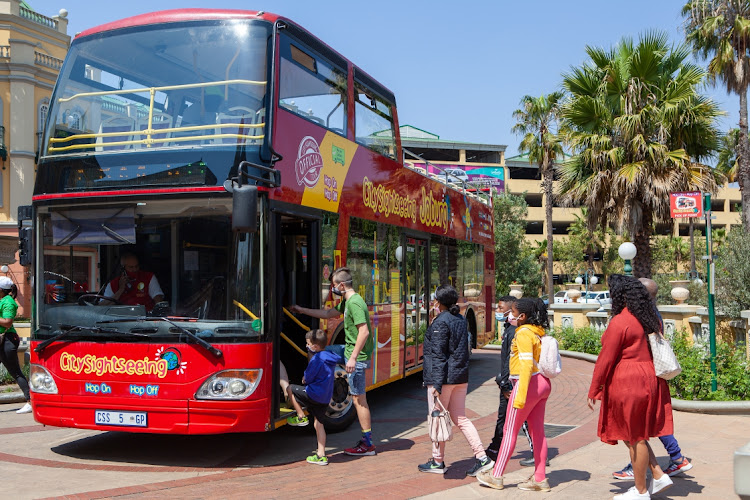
column 180, row 91
column 205, row 278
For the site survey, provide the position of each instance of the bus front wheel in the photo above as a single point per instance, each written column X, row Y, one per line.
column 341, row 411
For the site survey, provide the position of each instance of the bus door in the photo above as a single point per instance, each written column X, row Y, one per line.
column 295, row 281
column 417, row 300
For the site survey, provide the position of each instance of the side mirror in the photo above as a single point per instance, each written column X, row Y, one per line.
column 24, row 246
column 245, row 209
column 25, row 213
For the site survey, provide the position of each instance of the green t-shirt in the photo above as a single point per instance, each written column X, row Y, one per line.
column 8, row 309
column 355, row 313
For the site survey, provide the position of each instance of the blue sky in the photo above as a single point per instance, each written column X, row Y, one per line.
column 458, row 69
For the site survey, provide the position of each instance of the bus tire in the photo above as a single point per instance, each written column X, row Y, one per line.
column 341, row 412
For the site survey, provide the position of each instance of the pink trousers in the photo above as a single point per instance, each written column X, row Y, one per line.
column 533, row 414
column 453, row 398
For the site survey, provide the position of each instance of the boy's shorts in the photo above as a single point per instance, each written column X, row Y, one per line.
column 317, row 410
column 357, row 382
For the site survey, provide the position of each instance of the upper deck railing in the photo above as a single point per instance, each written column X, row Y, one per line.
column 455, row 182
column 79, row 140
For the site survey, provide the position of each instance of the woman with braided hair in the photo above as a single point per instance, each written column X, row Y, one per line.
column 635, row 403
column 528, row 398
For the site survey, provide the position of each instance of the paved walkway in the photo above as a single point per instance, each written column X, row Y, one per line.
column 580, row 465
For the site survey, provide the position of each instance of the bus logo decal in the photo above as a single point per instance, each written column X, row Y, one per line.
column 173, row 357
column 309, row 162
column 90, row 364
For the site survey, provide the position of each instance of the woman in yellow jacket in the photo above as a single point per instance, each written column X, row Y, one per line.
column 529, row 396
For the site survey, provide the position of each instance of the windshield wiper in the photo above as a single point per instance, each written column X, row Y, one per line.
column 204, row 344
column 93, row 329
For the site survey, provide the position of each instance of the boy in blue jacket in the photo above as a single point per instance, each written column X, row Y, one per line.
column 316, row 392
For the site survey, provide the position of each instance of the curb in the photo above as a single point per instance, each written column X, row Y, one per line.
column 709, row 407
column 12, row 397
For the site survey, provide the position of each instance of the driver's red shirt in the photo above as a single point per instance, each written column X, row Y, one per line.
column 137, row 292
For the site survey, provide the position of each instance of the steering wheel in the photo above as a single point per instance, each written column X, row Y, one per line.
column 88, row 299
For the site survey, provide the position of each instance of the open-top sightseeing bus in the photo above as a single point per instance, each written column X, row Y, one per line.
column 242, row 160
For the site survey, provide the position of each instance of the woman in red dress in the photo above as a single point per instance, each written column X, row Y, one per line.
column 635, row 403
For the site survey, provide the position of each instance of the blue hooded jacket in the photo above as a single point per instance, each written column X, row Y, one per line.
column 319, row 376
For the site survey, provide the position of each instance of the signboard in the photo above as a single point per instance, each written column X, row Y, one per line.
column 682, row 205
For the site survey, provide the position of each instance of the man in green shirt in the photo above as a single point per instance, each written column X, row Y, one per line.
column 357, row 352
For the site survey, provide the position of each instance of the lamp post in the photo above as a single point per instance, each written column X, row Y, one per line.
column 627, row 252
column 593, row 280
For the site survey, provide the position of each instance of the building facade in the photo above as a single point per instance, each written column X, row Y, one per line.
column 32, row 49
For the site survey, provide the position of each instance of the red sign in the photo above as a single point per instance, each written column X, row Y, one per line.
column 683, row 205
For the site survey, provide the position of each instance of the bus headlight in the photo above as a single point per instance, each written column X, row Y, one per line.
column 41, row 381
column 230, row 385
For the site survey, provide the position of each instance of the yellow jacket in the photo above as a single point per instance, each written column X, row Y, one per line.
column 524, row 353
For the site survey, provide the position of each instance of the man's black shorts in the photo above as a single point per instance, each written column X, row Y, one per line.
column 317, row 410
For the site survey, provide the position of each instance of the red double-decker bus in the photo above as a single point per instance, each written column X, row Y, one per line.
column 241, row 160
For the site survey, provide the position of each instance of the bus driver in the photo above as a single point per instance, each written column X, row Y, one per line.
column 134, row 287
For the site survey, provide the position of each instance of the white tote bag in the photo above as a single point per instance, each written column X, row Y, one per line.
column 439, row 423
column 665, row 362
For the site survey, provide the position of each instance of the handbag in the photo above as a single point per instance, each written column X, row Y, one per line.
column 439, row 423
column 665, row 362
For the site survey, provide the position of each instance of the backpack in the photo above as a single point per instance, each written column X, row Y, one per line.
column 550, row 363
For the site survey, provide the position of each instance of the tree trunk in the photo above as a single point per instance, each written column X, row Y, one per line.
column 547, row 182
column 642, row 242
column 743, row 161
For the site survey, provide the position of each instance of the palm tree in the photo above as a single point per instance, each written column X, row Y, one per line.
column 719, row 30
column 537, row 122
column 638, row 130
column 726, row 162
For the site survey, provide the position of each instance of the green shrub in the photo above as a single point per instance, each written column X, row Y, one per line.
column 694, row 383
column 587, row 340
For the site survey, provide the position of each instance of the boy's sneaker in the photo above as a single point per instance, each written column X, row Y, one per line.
column 361, row 449
column 317, row 460
column 529, row 462
column 626, row 473
column 432, row 466
column 479, row 465
column 295, row 421
column 678, row 467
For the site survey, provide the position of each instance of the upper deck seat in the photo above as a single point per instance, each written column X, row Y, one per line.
column 160, row 121
column 123, row 126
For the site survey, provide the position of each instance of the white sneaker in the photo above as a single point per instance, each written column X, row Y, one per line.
column 632, row 494
column 661, row 484
column 25, row 408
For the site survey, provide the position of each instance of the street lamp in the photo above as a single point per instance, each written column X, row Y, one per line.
column 593, row 280
column 627, row 252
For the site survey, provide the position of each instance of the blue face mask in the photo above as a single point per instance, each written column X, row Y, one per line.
column 500, row 316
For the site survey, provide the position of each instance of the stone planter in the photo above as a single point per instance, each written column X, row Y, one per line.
column 472, row 290
column 516, row 291
column 680, row 292
column 574, row 293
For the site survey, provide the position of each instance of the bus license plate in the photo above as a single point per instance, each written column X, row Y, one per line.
column 124, row 418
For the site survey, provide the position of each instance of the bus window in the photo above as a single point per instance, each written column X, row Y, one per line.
column 311, row 87
column 374, row 122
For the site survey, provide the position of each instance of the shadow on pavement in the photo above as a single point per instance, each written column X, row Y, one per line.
column 397, row 412
column 562, row 476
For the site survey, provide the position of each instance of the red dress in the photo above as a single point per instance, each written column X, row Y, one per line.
column 635, row 404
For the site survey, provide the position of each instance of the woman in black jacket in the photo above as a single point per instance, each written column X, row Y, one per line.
column 446, row 376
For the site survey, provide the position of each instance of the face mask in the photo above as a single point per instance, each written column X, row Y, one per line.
column 512, row 319
column 500, row 316
column 337, row 292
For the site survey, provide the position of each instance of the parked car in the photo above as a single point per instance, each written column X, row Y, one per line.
column 561, row 297
column 601, row 297
column 455, row 175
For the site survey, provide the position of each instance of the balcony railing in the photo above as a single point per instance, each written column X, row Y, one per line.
column 37, row 18
column 45, row 60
